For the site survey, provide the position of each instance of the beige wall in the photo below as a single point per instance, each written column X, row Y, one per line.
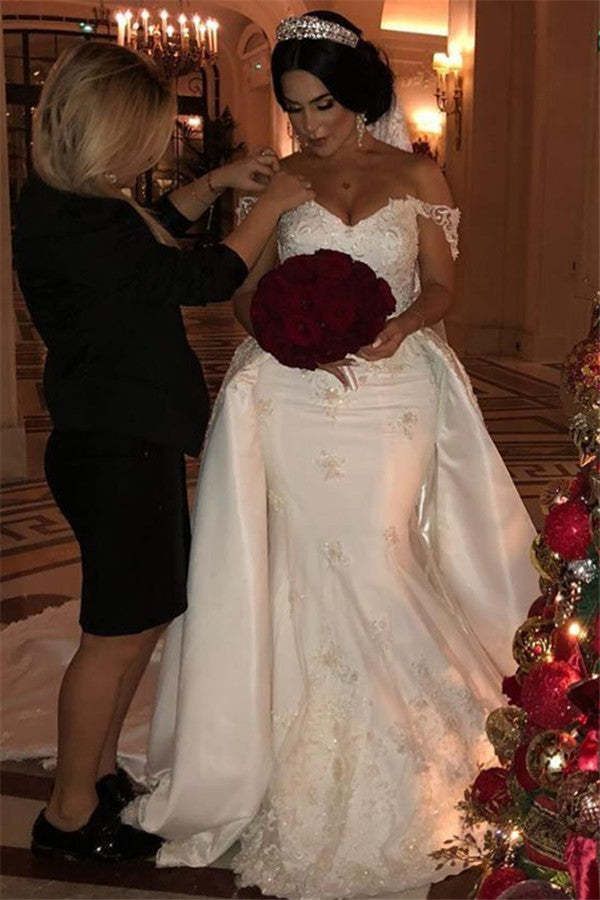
column 526, row 177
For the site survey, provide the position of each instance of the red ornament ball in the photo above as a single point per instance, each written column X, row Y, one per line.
column 511, row 688
column 580, row 486
column 544, row 695
column 593, row 636
column 567, row 529
column 490, row 792
column 541, row 607
column 499, row 880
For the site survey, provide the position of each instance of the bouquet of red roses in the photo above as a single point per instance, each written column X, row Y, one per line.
column 317, row 308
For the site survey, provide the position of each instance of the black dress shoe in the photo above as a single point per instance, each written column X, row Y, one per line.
column 103, row 837
column 116, row 790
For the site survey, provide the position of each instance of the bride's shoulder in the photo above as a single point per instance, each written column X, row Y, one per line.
column 422, row 177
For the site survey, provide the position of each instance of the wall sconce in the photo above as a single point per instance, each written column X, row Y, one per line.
column 427, row 124
column 448, row 68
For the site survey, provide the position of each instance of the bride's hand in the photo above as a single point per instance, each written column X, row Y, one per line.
column 342, row 370
column 387, row 341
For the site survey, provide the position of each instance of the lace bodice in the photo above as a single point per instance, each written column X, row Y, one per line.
column 387, row 240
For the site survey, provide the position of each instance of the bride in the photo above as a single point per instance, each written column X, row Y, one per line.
column 360, row 553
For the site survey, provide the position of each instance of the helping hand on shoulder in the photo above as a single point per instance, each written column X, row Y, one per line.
column 260, row 173
column 287, row 191
column 252, row 173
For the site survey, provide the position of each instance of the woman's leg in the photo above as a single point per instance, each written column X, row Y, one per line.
column 129, row 684
column 93, row 693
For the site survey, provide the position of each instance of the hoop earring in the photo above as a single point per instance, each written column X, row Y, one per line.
column 361, row 124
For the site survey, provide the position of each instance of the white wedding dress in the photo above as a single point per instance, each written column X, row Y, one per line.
column 359, row 564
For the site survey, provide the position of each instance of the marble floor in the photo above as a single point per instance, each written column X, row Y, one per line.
column 39, row 557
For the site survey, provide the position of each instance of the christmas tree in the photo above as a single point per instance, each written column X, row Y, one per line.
column 532, row 823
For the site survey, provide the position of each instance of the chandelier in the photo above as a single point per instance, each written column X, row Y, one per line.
column 180, row 45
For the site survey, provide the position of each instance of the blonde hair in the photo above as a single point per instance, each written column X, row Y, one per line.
column 104, row 112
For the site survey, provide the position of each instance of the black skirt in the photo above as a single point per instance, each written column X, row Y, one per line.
column 125, row 499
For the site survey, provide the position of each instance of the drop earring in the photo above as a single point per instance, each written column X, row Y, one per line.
column 361, row 124
column 295, row 139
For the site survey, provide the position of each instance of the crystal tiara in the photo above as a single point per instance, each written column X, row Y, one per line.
column 314, row 29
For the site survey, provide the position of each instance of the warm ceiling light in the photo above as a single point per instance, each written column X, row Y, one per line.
column 416, row 17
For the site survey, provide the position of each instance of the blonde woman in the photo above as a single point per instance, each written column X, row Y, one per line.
column 103, row 280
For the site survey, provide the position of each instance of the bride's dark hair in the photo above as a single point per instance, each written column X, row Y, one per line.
column 360, row 78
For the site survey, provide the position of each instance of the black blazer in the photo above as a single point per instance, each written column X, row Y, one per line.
column 105, row 296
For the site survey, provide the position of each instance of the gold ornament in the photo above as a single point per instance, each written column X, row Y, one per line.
column 532, row 642
column 584, row 431
column 504, row 728
column 581, row 370
column 545, row 833
column 564, row 606
column 548, row 564
column 548, row 755
column 578, row 800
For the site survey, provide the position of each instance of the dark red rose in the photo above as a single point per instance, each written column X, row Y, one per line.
column 384, row 294
column 498, row 881
column 294, row 269
column 332, row 265
column 490, row 792
column 302, row 331
column 363, row 275
column 319, row 307
column 338, row 313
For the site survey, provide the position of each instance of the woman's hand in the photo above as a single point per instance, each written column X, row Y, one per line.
column 252, row 173
column 342, row 370
column 387, row 341
column 287, row 191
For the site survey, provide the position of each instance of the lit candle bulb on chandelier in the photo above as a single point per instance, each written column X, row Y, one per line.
column 196, row 20
column 164, row 15
column 183, row 31
column 120, row 19
column 212, row 26
column 145, row 15
column 128, row 18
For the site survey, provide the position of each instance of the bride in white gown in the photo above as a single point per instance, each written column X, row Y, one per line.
column 359, row 560
column 359, row 563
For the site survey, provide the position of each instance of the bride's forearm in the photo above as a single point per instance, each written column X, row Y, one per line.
column 430, row 307
column 241, row 308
